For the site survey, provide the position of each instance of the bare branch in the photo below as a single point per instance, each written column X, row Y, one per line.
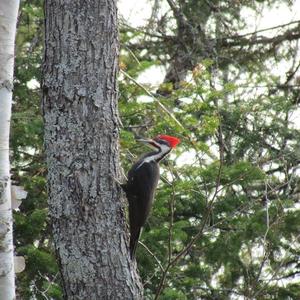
column 153, row 255
column 289, row 35
column 153, row 97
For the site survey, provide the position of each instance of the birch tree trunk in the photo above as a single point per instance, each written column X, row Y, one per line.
column 81, row 139
column 8, row 21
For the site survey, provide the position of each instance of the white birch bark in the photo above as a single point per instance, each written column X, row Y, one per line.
column 8, row 20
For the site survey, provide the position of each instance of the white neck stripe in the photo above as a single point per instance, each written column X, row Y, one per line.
column 164, row 150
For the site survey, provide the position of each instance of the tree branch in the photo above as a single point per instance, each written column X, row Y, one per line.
column 289, row 35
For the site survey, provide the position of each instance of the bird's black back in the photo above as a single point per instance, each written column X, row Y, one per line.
column 140, row 189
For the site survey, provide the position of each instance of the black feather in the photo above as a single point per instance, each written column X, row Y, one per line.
column 140, row 189
column 134, row 238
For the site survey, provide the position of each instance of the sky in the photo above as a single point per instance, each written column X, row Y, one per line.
column 138, row 11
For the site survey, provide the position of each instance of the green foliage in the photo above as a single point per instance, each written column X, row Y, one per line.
column 236, row 187
column 173, row 294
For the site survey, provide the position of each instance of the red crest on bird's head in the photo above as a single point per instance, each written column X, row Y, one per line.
column 173, row 141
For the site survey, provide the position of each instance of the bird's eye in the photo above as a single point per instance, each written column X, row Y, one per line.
column 163, row 142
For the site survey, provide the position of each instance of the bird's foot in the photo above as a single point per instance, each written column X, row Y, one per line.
column 117, row 180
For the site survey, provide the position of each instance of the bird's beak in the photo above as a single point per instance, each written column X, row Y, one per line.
column 148, row 142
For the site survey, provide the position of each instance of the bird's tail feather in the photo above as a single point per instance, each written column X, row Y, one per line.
column 134, row 238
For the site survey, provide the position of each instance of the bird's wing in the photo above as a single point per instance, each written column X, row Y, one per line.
column 141, row 188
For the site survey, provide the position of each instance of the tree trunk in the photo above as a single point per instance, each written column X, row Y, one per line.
column 8, row 21
column 81, row 139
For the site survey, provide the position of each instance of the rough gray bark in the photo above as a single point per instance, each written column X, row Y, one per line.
column 81, row 139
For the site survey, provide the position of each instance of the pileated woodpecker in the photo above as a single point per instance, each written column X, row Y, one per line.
column 142, row 182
